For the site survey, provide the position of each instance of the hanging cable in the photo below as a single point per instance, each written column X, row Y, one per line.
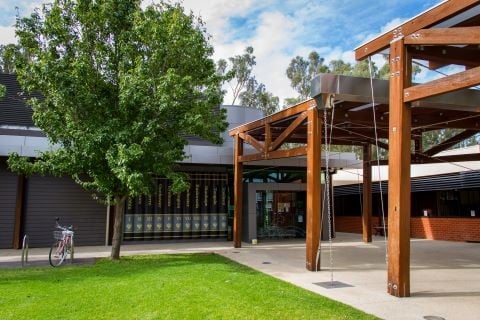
column 327, row 183
column 378, row 159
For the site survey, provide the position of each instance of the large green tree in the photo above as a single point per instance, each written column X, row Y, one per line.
column 121, row 85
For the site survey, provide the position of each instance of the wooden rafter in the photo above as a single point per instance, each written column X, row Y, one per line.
column 439, row 56
column 444, row 36
column 252, row 141
column 287, row 132
column 450, row 142
column 281, row 115
column 277, row 154
column 461, row 80
column 433, row 16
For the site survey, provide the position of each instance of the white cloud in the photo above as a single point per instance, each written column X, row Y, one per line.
column 7, row 35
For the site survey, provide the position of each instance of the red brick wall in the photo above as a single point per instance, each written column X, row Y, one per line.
column 351, row 224
column 452, row 229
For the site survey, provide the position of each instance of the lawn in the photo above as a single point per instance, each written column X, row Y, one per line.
column 186, row 286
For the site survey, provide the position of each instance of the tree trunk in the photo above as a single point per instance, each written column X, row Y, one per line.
column 118, row 227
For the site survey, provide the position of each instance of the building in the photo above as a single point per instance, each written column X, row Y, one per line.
column 29, row 205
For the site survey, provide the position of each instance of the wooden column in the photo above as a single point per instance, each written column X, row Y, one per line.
column 238, row 193
column 399, row 173
column 367, row 194
column 314, row 194
column 18, row 223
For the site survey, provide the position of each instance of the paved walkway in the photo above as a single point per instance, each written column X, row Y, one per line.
column 445, row 276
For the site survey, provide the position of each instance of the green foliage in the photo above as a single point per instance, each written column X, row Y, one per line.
column 3, row 91
column 9, row 54
column 256, row 96
column 241, row 71
column 121, row 85
column 301, row 72
column 187, row 286
column 244, row 85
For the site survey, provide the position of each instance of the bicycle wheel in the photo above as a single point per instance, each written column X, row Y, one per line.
column 57, row 254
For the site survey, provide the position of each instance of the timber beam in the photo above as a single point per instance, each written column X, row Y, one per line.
column 367, row 194
column 238, row 192
column 444, row 36
column 438, row 56
column 399, row 174
column 450, row 142
column 433, row 16
column 461, row 80
column 314, row 194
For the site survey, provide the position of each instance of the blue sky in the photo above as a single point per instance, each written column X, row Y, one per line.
column 278, row 30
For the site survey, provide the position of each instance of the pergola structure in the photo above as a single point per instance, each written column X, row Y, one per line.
column 346, row 110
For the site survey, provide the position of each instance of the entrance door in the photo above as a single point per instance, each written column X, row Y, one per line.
column 280, row 214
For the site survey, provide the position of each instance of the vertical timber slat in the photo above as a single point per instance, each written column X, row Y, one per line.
column 399, row 173
column 238, row 193
column 314, row 194
column 18, row 224
column 367, row 194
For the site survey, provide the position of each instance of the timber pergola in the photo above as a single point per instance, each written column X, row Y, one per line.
column 447, row 34
column 343, row 109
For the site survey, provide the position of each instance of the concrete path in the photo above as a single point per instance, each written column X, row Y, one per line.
column 445, row 276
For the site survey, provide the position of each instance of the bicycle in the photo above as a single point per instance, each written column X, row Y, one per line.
column 62, row 246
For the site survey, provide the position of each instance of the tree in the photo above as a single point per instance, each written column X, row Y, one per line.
column 8, row 53
column 241, row 71
column 256, row 96
column 120, row 87
column 301, row 72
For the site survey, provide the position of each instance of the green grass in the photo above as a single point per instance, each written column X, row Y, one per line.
column 187, row 286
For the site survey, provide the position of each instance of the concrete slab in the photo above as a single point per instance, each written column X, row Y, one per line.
column 445, row 276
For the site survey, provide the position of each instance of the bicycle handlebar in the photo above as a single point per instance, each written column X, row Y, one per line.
column 63, row 228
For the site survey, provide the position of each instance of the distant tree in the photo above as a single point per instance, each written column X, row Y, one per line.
column 121, row 85
column 339, row 67
column 301, row 71
column 9, row 54
column 240, row 72
column 291, row 101
column 256, row 96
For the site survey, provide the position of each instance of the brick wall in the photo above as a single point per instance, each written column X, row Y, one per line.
column 452, row 229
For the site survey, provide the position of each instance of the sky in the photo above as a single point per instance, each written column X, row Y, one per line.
column 277, row 30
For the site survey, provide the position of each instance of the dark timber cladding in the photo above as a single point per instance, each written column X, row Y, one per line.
column 50, row 197
column 444, row 35
column 8, row 188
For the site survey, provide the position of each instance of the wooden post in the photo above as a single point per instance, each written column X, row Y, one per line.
column 238, row 193
column 367, row 194
column 399, row 173
column 18, row 224
column 314, row 195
